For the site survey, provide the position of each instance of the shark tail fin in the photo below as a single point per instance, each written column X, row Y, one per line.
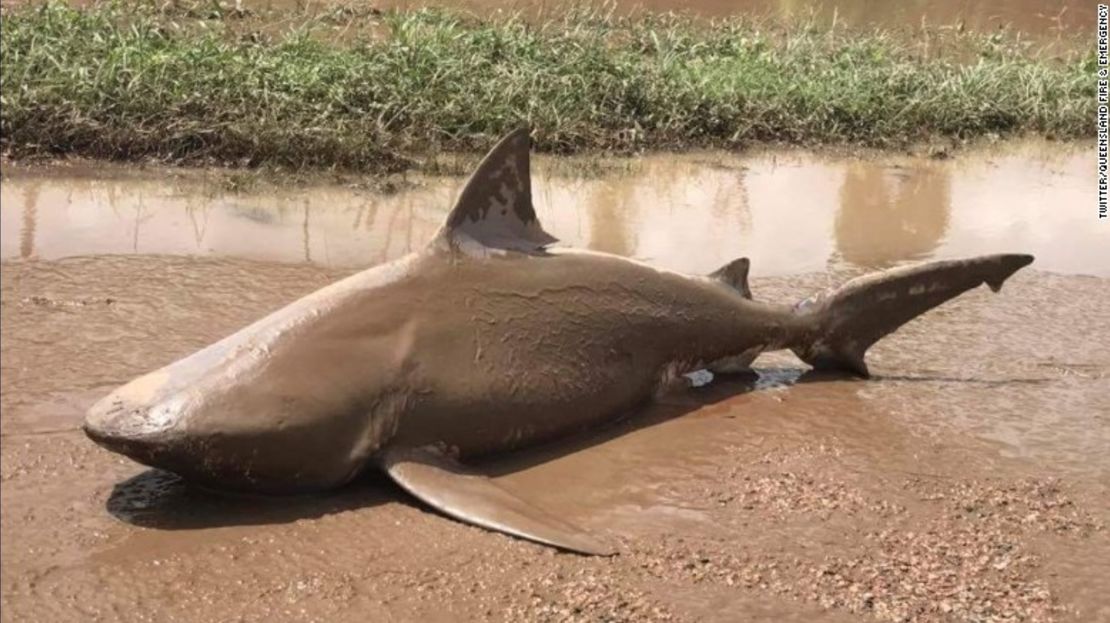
column 848, row 320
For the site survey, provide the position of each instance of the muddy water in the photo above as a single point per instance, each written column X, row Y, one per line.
column 791, row 212
column 967, row 481
column 1032, row 17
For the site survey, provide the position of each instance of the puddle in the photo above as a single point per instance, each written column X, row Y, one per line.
column 790, row 212
column 983, row 431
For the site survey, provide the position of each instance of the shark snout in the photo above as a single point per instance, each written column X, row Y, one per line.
column 144, row 449
column 140, row 430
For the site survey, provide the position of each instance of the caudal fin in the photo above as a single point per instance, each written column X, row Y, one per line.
column 849, row 319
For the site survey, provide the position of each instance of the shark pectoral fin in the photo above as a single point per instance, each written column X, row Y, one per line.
column 442, row 483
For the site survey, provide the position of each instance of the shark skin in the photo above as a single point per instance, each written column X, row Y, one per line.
column 488, row 340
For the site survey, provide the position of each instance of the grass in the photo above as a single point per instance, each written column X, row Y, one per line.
column 132, row 81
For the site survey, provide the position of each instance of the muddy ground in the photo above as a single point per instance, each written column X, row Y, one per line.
column 968, row 481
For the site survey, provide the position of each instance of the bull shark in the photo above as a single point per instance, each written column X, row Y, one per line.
column 489, row 339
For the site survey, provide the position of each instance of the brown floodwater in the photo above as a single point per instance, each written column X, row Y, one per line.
column 1037, row 18
column 1041, row 20
column 791, row 212
column 968, row 481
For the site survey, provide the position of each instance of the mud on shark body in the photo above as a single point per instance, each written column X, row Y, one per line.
column 487, row 340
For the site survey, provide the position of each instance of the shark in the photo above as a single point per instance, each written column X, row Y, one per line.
column 491, row 338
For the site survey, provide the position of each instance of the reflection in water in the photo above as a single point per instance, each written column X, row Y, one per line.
column 199, row 219
column 607, row 226
column 791, row 212
column 304, row 228
column 30, row 213
column 141, row 216
column 889, row 215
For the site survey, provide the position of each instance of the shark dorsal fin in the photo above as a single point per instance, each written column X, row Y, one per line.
column 735, row 275
column 495, row 207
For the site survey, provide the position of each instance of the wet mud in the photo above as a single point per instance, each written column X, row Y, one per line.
column 967, row 481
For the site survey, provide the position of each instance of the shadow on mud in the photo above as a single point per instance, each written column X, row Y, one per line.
column 667, row 407
column 723, row 387
column 161, row 500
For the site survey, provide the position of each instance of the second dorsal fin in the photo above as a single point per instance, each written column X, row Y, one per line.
column 735, row 275
column 495, row 207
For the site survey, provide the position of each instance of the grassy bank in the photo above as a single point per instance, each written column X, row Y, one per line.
column 130, row 82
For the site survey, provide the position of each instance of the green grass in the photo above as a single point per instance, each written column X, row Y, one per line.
column 132, row 82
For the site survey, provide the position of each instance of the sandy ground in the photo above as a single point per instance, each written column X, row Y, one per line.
column 967, row 482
